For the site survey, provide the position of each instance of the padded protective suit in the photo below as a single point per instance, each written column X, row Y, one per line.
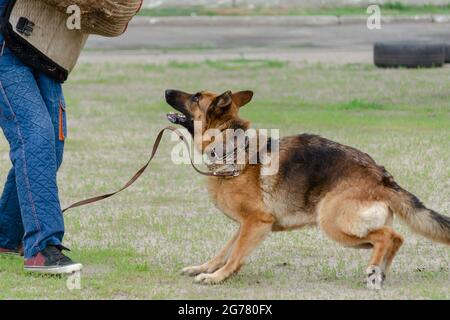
column 32, row 117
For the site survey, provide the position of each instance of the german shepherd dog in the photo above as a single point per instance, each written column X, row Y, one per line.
column 319, row 182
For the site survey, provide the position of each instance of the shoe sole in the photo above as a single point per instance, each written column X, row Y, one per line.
column 56, row 270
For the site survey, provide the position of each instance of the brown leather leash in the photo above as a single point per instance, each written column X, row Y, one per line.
column 139, row 173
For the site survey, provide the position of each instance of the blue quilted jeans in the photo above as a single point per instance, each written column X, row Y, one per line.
column 32, row 117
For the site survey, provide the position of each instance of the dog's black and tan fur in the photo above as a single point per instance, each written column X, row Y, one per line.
column 320, row 182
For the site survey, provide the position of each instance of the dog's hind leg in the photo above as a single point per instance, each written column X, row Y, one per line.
column 252, row 233
column 386, row 242
column 215, row 263
column 355, row 223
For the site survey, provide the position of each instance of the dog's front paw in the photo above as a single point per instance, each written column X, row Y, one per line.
column 193, row 271
column 374, row 278
column 207, row 278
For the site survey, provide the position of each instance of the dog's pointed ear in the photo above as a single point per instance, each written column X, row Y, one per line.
column 224, row 100
column 242, row 98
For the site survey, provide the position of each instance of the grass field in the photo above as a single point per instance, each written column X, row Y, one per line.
column 389, row 8
column 134, row 245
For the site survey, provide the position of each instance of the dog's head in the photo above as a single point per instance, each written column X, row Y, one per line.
column 212, row 111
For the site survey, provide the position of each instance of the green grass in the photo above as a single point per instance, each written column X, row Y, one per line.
column 134, row 245
column 389, row 8
column 357, row 104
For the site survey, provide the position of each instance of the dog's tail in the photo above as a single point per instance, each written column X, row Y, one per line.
column 419, row 218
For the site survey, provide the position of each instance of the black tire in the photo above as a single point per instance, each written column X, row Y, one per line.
column 447, row 53
column 409, row 54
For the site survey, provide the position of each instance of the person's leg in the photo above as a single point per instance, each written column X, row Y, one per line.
column 28, row 128
column 11, row 227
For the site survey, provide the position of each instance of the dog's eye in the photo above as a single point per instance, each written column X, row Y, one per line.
column 196, row 98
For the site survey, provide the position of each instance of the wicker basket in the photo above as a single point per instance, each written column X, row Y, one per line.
column 107, row 18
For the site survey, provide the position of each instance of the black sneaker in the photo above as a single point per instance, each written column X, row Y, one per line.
column 51, row 260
